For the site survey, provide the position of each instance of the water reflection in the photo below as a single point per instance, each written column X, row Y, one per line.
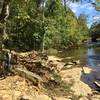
column 93, row 57
column 89, row 56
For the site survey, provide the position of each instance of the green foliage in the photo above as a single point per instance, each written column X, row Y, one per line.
column 97, row 5
column 63, row 28
column 25, row 25
column 95, row 29
column 83, row 27
column 31, row 23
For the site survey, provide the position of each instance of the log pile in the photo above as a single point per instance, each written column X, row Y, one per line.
column 36, row 67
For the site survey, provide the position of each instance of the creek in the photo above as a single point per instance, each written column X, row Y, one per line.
column 88, row 54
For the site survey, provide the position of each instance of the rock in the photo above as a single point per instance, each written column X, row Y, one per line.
column 17, row 93
column 79, row 87
column 24, row 97
column 84, row 98
column 68, row 66
column 60, row 98
column 76, row 62
column 68, row 57
column 60, row 51
column 68, row 63
column 53, row 58
column 5, row 97
column 59, row 66
column 96, row 97
column 86, row 70
column 72, row 63
column 41, row 97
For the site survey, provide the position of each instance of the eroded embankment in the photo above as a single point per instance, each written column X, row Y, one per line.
column 60, row 81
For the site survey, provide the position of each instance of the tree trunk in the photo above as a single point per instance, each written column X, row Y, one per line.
column 43, row 40
column 64, row 4
column 36, row 79
column 3, row 18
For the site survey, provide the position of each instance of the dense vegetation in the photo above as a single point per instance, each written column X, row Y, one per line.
column 97, row 5
column 95, row 30
column 39, row 25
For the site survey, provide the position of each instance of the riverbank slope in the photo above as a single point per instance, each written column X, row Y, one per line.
column 15, row 87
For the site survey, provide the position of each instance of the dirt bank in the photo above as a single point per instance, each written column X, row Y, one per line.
column 81, row 79
column 16, row 87
column 74, row 75
column 70, row 84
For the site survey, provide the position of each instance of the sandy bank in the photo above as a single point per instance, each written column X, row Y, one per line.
column 74, row 75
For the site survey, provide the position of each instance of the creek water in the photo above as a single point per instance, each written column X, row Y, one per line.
column 89, row 55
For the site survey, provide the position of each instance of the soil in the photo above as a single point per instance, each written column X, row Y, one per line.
column 16, row 87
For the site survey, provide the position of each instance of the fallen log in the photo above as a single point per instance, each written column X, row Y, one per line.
column 29, row 60
column 36, row 79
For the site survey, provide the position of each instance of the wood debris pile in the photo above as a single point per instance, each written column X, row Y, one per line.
column 37, row 66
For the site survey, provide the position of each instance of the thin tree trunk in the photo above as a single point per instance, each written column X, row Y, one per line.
column 3, row 18
column 65, row 4
column 43, row 40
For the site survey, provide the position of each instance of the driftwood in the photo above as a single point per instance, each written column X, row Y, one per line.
column 30, row 61
column 36, row 79
column 97, row 83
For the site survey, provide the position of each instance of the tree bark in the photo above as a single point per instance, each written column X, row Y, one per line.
column 5, row 11
column 43, row 15
column 3, row 18
column 36, row 79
